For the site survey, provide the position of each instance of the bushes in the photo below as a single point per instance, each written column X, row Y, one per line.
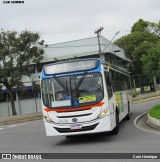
column 155, row 112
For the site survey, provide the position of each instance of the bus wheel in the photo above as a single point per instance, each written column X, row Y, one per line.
column 116, row 129
column 129, row 114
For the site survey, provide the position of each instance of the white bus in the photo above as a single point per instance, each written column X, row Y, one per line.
column 84, row 96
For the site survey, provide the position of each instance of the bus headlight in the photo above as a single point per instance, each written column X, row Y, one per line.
column 103, row 113
column 47, row 119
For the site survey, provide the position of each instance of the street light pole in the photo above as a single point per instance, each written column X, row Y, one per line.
column 98, row 32
column 111, row 41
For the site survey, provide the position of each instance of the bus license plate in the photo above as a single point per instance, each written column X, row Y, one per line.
column 75, row 127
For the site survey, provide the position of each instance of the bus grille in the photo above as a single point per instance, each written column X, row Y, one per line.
column 68, row 130
column 73, row 116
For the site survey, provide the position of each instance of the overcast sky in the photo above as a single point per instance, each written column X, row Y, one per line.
column 65, row 20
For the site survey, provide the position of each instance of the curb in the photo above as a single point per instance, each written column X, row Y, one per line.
column 139, row 117
column 20, row 118
column 147, row 99
column 151, row 128
column 19, row 121
column 155, row 123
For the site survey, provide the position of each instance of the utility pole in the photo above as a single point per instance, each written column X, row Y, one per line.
column 98, row 32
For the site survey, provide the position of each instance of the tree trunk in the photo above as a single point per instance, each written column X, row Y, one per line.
column 11, row 96
column 155, row 84
column 151, row 87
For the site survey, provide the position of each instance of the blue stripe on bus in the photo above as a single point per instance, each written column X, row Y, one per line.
column 45, row 76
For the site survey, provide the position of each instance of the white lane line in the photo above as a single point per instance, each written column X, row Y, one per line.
column 21, row 124
column 11, row 126
column 15, row 125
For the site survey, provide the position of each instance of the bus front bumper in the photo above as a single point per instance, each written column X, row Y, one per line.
column 97, row 126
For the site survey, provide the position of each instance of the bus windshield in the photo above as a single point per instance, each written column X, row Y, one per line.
column 72, row 91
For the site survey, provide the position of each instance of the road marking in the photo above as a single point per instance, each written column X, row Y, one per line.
column 15, row 125
column 12, row 126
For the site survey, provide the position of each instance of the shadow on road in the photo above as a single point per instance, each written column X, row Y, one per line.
column 90, row 138
column 98, row 137
column 125, row 133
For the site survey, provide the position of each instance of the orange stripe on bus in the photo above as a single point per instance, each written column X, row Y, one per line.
column 73, row 109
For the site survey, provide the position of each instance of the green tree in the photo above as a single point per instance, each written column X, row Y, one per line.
column 18, row 50
column 140, row 26
column 143, row 36
column 151, row 61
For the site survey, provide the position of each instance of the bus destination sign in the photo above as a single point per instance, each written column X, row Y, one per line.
column 73, row 66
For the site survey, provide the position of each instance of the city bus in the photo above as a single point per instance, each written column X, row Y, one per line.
column 84, row 96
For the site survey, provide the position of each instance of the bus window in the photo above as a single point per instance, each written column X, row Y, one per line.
column 109, row 86
column 111, row 80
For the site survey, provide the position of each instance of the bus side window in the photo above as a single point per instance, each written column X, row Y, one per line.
column 111, row 80
column 109, row 86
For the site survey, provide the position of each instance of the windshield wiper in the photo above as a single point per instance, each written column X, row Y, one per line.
column 74, row 93
column 80, row 81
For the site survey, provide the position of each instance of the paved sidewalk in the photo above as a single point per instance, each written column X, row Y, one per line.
column 20, row 118
column 146, row 99
column 147, row 96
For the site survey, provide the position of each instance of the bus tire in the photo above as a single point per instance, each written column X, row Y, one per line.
column 116, row 129
column 129, row 114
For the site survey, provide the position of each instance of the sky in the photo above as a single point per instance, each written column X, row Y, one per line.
column 66, row 20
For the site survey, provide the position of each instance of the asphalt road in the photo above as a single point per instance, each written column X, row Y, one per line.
column 29, row 137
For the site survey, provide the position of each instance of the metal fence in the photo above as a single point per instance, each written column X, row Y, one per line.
column 142, row 84
column 24, row 104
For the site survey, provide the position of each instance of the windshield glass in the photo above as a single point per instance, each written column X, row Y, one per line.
column 72, row 91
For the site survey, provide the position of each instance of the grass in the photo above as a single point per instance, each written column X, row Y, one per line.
column 155, row 112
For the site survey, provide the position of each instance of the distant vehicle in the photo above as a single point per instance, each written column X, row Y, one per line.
column 84, row 96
